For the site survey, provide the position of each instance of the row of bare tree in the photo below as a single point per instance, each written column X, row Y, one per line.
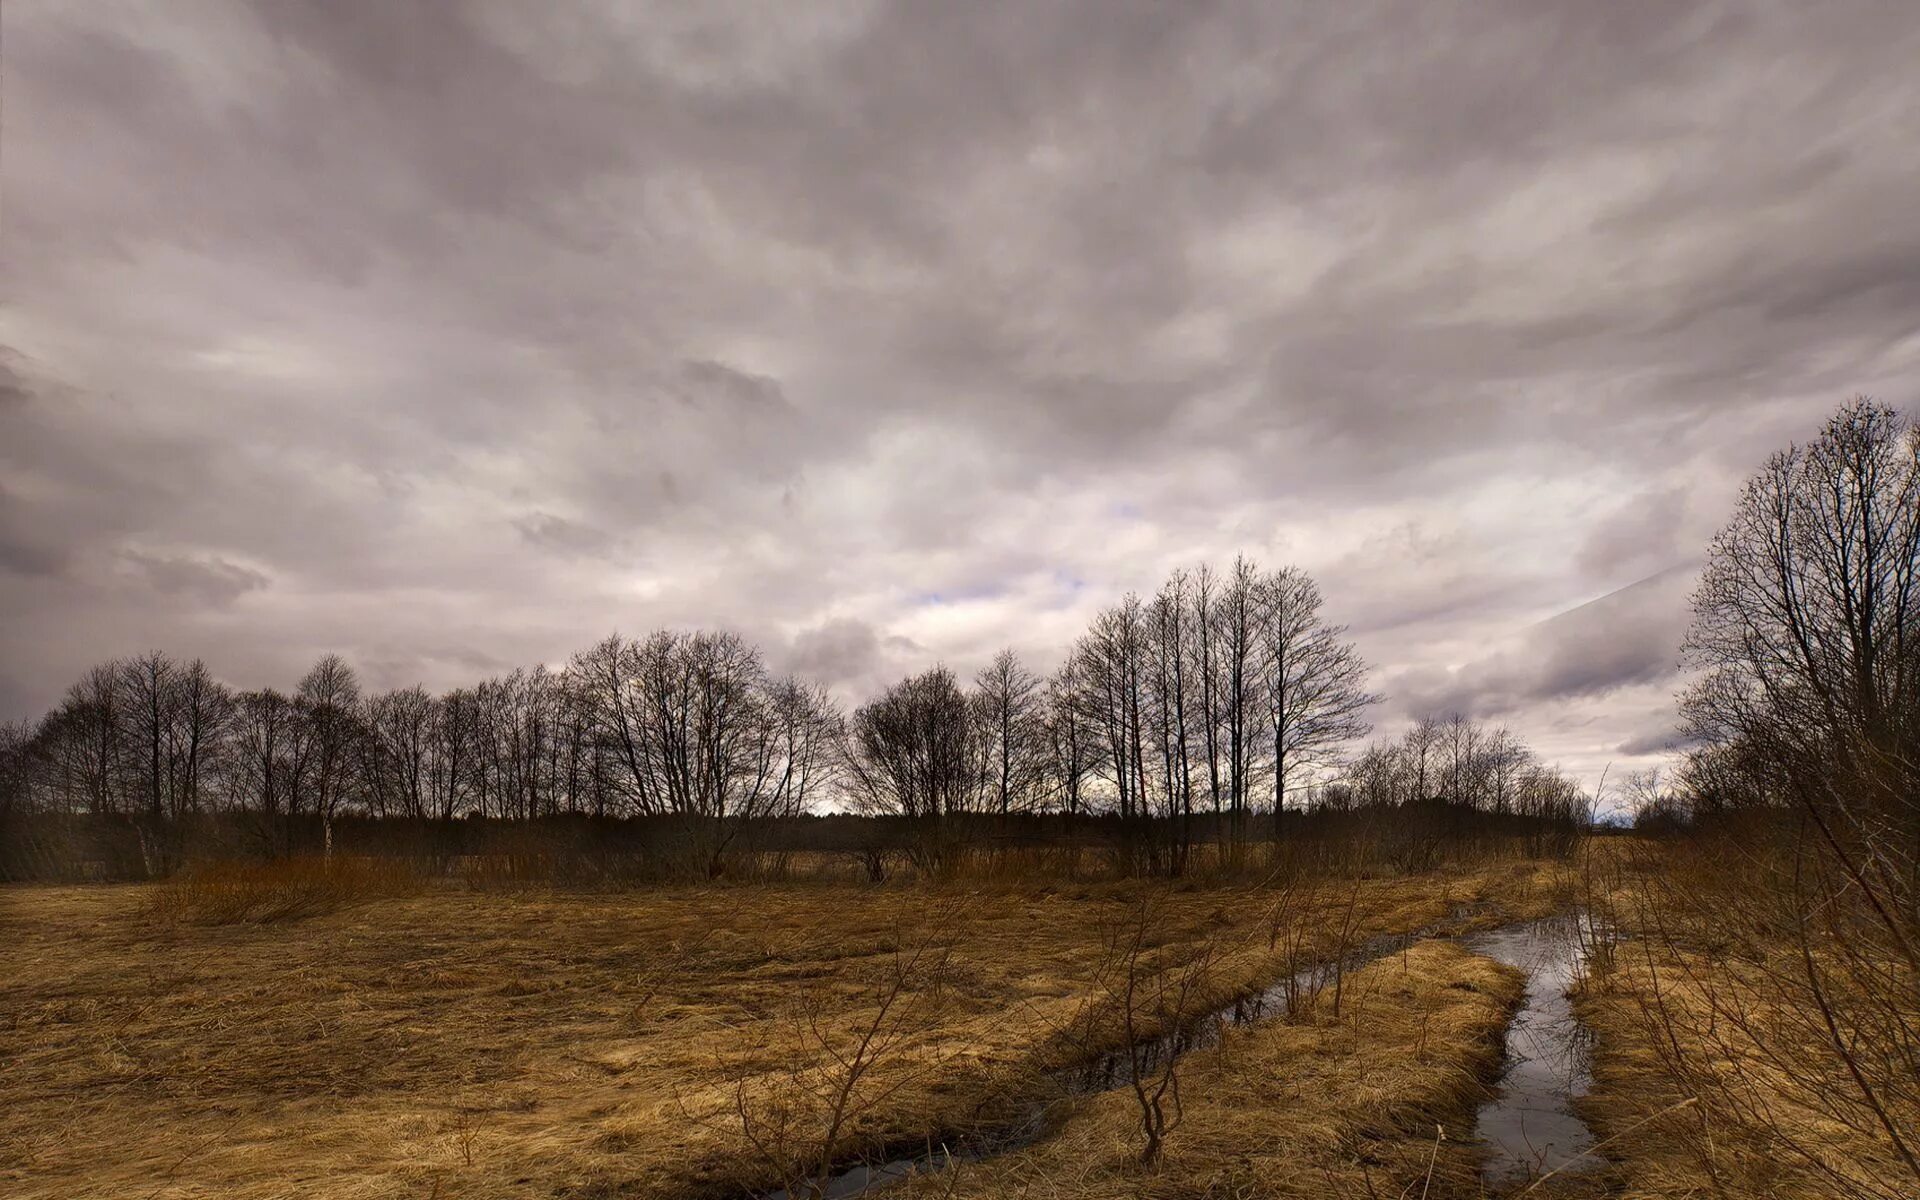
column 689, row 725
column 1463, row 762
column 1223, row 695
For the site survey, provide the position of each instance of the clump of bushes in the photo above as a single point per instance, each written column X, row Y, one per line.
column 231, row 893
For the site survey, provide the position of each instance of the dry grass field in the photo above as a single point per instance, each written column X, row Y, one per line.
column 461, row 1043
column 1714, row 1032
column 1722, row 1118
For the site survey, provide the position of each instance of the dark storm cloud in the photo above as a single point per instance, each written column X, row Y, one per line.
column 450, row 335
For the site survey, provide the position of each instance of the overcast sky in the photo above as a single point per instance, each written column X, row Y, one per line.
column 453, row 336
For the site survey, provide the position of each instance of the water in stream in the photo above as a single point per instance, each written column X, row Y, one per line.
column 1531, row 1128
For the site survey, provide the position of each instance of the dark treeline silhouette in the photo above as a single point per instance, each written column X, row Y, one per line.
column 1208, row 715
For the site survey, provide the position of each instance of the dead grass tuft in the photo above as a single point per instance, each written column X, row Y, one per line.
column 232, row 893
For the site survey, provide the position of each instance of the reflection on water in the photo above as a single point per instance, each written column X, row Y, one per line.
column 1531, row 1128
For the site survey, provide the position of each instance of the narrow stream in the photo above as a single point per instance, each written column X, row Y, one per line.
column 1531, row 1127
column 1106, row 1071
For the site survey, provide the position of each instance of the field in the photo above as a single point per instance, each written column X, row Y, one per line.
column 1751, row 1038
column 403, row 1039
column 496, row 1044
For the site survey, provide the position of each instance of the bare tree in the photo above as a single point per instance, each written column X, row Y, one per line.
column 1011, row 719
column 267, row 769
column 1314, row 681
column 88, row 746
column 1807, row 631
column 452, row 753
column 915, row 752
column 203, row 714
column 1070, row 748
column 1236, row 652
column 329, row 705
column 711, row 734
column 398, row 750
column 1113, row 663
column 1806, row 634
column 606, row 680
column 1170, row 629
column 148, row 685
column 799, row 1119
column 1150, row 994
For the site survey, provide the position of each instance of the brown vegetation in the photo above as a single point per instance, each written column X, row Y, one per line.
column 545, row 1043
column 1760, row 1032
column 226, row 893
column 1754, row 1035
column 1378, row 1101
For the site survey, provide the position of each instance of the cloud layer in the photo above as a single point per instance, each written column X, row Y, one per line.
column 452, row 336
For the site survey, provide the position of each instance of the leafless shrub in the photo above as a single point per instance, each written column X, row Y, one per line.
column 805, row 1118
column 1147, row 997
column 1774, row 999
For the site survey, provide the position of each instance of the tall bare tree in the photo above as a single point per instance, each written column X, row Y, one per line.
column 1070, row 748
column 1807, row 633
column 1314, row 681
column 148, row 685
column 1170, row 634
column 266, row 772
column 202, row 723
column 1113, row 663
column 329, row 705
column 1235, row 653
column 397, row 751
column 1011, row 719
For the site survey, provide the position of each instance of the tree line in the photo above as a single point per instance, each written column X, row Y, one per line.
column 1223, row 698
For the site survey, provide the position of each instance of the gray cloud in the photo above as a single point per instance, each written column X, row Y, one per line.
column 207, row 580
column 563, row 536
column 849, row 654
column 895, row 332
column 1626, row 638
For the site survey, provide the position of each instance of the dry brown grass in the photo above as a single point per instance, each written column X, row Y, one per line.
column 1379, row 1101
column 460, row 1044
column 1715, row 1066
column 1702, row 1107
column 230, row 893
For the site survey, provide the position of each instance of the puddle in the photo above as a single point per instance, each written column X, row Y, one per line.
column 1531, row 1127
